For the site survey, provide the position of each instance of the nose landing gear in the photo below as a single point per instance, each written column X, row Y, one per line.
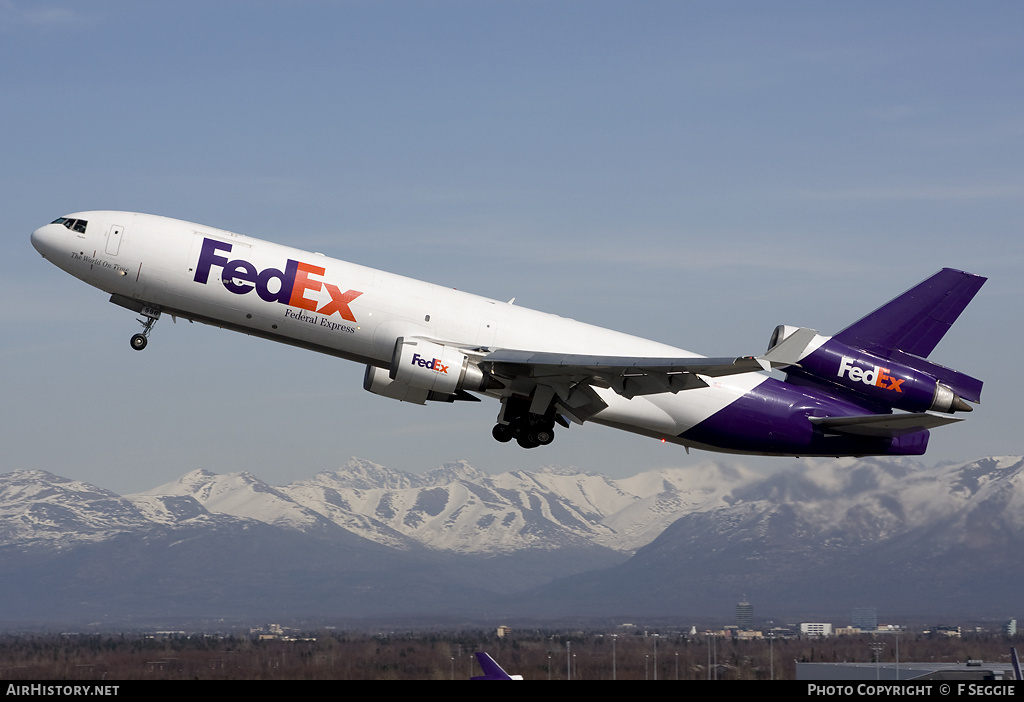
column 151, row 314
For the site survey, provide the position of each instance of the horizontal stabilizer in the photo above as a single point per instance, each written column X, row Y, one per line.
column 884, row 425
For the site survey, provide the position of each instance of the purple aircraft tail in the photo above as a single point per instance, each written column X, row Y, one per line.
column 1016, row 665
column 492, row 671
column 915, row 321
column 908, row 328
column 879, row 362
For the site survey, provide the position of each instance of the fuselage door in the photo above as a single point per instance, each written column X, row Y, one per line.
column 114, row 239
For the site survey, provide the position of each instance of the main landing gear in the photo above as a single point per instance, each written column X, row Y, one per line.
column 528, row 429
column 150, row 314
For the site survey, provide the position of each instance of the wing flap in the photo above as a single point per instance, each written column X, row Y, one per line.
column 570, row 379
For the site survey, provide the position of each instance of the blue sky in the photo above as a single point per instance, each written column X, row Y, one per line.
column 694, row 173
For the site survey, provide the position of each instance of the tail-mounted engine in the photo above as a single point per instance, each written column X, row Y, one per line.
column 423, row 370
column 907, row 382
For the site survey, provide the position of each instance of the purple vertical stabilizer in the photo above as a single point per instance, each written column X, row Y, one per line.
column 889, row 346
column 840, row 393
column 915, row 321
column 492, row 671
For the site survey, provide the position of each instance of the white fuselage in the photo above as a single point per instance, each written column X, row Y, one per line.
column 340, row 308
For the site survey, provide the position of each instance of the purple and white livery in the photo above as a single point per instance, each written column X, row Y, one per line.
column 868, row 390
column 492, row 671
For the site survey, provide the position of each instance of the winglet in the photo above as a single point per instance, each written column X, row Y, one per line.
column 1016, row 665
column 789, row 351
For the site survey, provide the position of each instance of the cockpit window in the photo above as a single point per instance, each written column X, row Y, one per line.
column 75, row 225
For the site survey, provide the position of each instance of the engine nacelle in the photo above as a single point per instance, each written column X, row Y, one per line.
column 884, row 381
column 434, row 367
column 376, row 380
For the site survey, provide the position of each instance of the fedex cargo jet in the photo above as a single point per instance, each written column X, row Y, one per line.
column 867, row 390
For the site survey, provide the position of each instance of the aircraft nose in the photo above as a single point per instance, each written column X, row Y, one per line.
column 47, row 238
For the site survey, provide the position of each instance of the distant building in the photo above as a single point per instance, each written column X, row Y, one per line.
column 815, row 629
column 503, row 631
column 744, row 615
column 1010, row 628
column 864, row 618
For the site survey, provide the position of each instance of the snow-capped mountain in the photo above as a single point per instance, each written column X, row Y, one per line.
column 835, row 534
column 365, row 539
column 460, row 509
column 41, row 509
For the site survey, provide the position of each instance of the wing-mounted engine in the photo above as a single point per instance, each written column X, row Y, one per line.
column 897, row 380
column 424, row 370
column 432, row 366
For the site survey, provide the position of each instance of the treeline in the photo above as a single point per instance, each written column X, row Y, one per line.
column 536, row 655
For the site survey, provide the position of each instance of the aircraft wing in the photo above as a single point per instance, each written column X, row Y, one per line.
column 630, row 376
column 542, row 363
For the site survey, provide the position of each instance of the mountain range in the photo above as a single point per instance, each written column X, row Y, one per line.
column 814, row 540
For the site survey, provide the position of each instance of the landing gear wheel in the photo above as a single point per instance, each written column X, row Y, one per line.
column 502, row 433
column 527, row 441
column 529, row 429
column 150, row 314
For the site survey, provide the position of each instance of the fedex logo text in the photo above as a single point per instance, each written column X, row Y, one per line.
column 876, row 376
column 240, row 277
column 433, row 364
